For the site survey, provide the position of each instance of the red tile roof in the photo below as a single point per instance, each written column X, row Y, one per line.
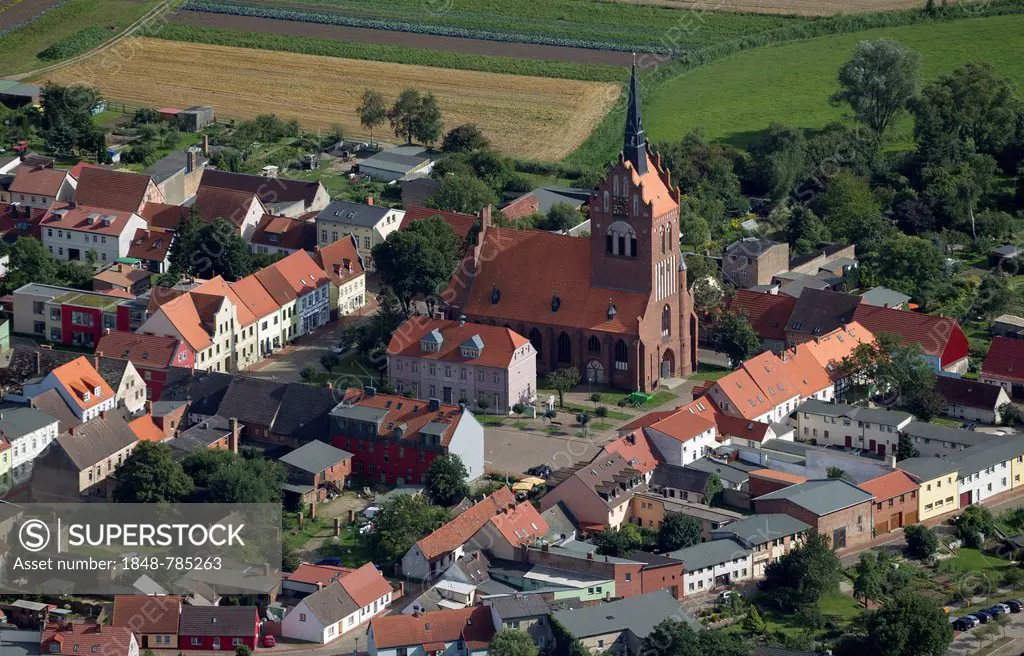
column 81, row 380
column 163, row 216
column 218, row 287
column 969, row 393
column 300, row 272
column 283, row 232
column 530, row 267
column 150, row 245
column 805, row 372
column 637, row 449
column 255, row 297
column 82, row 639
column 768, row 313
column 457, row 532
column 937, row 336
column 414, row 414
column 744, row 394
column 473, row 625
column 184, row 316
column 86, row 218
column 648, row 419
column 9, row 222
column 215, row 203
column 742, row 428
column 1005, row 359
column 520, row 525
column 37, row 181
column 830, row 349
column 770, row 375
column 76, row 170
column 889, row 485
column 774, row 475
column 147, row 613
column 500, row 344
column 460, row 223
column 116, row 190
column 306, row 573
column 365, row 585
column 150, row 351
column 340, row 260
column 688, row 421
column 146, row 429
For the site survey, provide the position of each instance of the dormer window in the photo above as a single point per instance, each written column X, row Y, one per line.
column 431, row 343
column 96, row 391
column 86, row 396
column 472, row 347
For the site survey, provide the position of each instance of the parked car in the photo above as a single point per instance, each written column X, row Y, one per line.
column 1015, row 605
column 269, row 641
column 972, row 619
column 983, row 616
column 969, row 426
column 962, row 624
column 541, row 471
column 1000, row 609
column 726, row 595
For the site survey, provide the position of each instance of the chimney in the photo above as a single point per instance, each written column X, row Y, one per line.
column 233, row 439
column 106, row 331
column 369, row 200
column 39, row 363
column 149, row 407
column 462, row 320
column 96, row 362
column 590, row 555
column 206, row 145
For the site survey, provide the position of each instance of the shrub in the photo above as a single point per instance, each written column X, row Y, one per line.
column 76, row 44
column 601, row 411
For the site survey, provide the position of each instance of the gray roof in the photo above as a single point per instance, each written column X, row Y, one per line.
column 433, row 337
column 222, row 621
column 520, row 605
column 926, row 430
column 53, row 404
column 708, row 554
column 97, row 439
column 638, row 614
column 360, row 412
column 354, row 214
column 204, row 390
column 582, row 555
column 560, row 521
column 679, row 478
column 200, row 436
column 980, row 458
column 884, row 297
column 549, row 196
column 315, row 457
column 331, row 603
column 19, row 422
column 473, row 342
column 170, row 165
column 822, row 496
column 924, row 469
column 1009, row 250
column 883, row 416
column 161, row 408
column 750, row 246
column 731, row 473
column 252, row 400
column 795, row 288
column 305, row 412
column 759, row 529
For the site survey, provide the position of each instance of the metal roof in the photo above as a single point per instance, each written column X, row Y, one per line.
column 638, row 614
column 355, row 214
column 884, row 297
column 709, row 554
column 315, row 456
column 930, row 431
column 925, row 469
column 759, row 529
column 19, row 422
column 821, row 497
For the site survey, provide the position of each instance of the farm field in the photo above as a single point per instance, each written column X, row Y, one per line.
column 553, row 22
column 19, row 48
column 738, row 96
column 535, row 117
column 797, row 7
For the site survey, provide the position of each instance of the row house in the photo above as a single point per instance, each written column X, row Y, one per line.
column 280, row 235
column 339, row 607
column 343, row 265
column 74, row 231
column 686, row 435
column 394, row 439
column 597, row 493
column 39, row 187
column 74, row 639
column 301, row 289
column 896, row 503
column 972, row 400
column 120, row 191
column 768, row 537
column 987, row 470
column 760, row 390
column 434, row 553
column 492, row 367
column 836, row 508
column 67, row 316
column 26, row 432
column 218, row 628
column 6, row 477
column 713, row 564
column 837, row 424
column 938, row 490
column 152, row 248
column 369, row 224
column 80, row 385
column 152, row 618
column 241, row 209
column 467, row 631
column 934, row 440
column 153, row 356
column 280, row 196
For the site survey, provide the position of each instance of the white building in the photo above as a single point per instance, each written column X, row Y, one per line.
column 871, row 429
column 935, row 440
column 81, row 387
column 686, row 435
column 29, row 432
column 339, row 607
column 72, row 231
column 984, row 471
column 39, row 187
column 710, row 565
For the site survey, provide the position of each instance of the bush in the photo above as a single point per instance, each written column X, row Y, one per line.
column 76, row 44
column 330, row 361
column 601, row 411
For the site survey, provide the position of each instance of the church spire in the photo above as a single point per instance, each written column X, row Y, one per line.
column 634, row 148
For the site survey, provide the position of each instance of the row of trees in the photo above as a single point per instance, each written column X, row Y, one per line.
column 212, row 249
column 413, row 116
column 677, row 531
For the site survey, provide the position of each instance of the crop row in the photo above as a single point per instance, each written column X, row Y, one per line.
column 392, row 53
column 333, row 18
column 79, row 42
column 18, row 26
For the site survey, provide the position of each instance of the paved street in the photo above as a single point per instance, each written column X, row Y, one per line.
column 286, row 365
column 514, row 451
column 966, row 643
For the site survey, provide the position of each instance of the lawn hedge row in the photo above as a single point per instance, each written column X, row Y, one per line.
column 79, row 42
column 334, row 18
column 393, row 54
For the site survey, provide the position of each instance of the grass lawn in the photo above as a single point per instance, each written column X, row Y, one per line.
column 18, row 49
column 838, row 608
column 973, row 560
column 358, row 368
column 350, row 547
column 709, row 372
column 490, row 420
column 737, row 97
column 946, row 421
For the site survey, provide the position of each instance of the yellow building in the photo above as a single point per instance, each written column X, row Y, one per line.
column 1017, row 472
column 370, row 225
column 940, row 491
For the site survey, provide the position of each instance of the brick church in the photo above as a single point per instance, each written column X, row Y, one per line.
column 616, row 305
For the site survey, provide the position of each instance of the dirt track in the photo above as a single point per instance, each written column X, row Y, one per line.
column 408, row 39
column 11, row 14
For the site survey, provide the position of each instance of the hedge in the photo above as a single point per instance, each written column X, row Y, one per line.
column 76, row 44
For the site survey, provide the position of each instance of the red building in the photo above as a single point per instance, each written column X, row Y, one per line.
column 218, row 628
column 393, row 439
column 153, row 355
column 625, row 572
column 616, row 306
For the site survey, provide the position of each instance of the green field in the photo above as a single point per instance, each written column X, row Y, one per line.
column 568, row 20
column 395, row 54
column 738, row 96
column 19, row 49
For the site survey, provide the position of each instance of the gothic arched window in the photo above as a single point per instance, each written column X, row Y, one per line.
column 666, row 321
column 621, row 356
column 594, row 344
column 535, row 339
column 564, row 348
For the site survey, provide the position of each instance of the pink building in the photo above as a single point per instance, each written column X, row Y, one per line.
column 454, row 361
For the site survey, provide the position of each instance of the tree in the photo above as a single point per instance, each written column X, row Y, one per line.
column 954, row 189
column 849, row 208
column 623, row 540
column 805, row 231
column 893, row 369
column 402, row 521
column 243, row 650
column 878, row 82
column 678, row 531
column 419, row 259
column 446, row 479
column 220, row 251
column 835, row 472
column 150, row 475
column 905, row 448
column 908, row 625
column 672, row 637
column 201, row 465
column 512, row 642
column 246, row 480
column 868, row 578
column 372, row 111
column 562, row 216
column 1010, row 414
column 801, row 577
column 69, row 109
column 734, row 335
column 60, row 140
column 562, row 381
column 464, row 139
column 926, row 403
column 778, row 162
column 462, row 193
column 415, row 117
column 309, row 373
column 427, row 128
column 911, row 265
column 753, row 623
column 186, row 240
column 712, row 488
column 975, row 525
column 519, row 409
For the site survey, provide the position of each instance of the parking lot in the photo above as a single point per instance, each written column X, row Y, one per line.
column 969, row 641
